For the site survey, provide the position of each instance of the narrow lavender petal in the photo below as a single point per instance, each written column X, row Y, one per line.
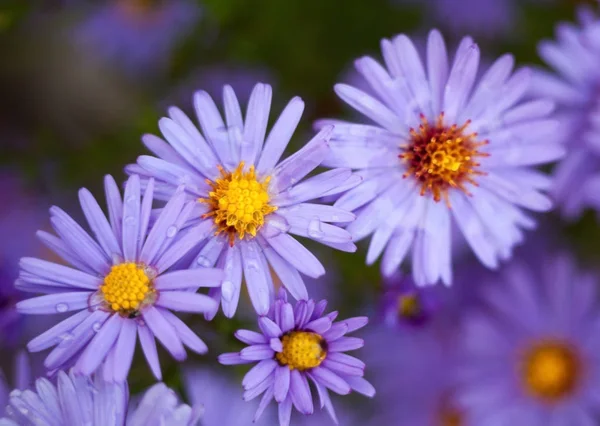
column 257, row 353
column 289, row 276
column 320, row 211
column 355, row 323
column 396, row 251
column 325, row 400
column 460, row 81
column 269, row 328
column 260, row 387
column 385, row 87
column 59, row 273
column 287, row 318
column 115, row 205
column 256, row 280
column 412, row 68
column 344, row 370
column 264, row 402
column 360, row 385
column 319, row 326
column 184, row 301
column 437, row 69
column 300, row 393
column 189, row 278
column 157, row 234
column 164, row 332
column 280, row 135
column 250, row 337
column 335, row 332
column 330, row 380
column 365, row 192
column 75, row 237
column 232, row 282
column 124, row 350
column 212, row 126
column 174, row 174
column 209, row 254
column 96, row 350
column 107, row 369
column 235, row 124
column 233, row 358
column 53, row 335
column 282, row 383
column 313, row 187
column 99, row 224
column 276, row 344
column 192, row 237
column 145, row 213
column 74, row 341
column 314, row 229
column 162, row 149
column 131, row 218
column 297, row 255
column 258, row 373
column 255, row 126
column 148, row 345
column 346, row 344
column 285, row 411
column 54, row 303
column 304, row 161
column 346, row 359
column 61, row 249
column 187, row 336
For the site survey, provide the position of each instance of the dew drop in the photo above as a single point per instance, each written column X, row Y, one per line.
column 24, row 411
column 227, row 290
column 171, row 231
column 15, row 393
column 96, row 326
column 335, row 218
column 65, row 337
column 252, row 265
column 129, row 220
column 62, row 307
column 130, row 199
column 203, row 261
column 314, row 229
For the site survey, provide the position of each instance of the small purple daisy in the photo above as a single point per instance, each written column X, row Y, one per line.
column 252, row 200
column 81, row 400
column 298, row 343
column 120, row 283
column 529, row 356
column 574, row 57
column 442, row 151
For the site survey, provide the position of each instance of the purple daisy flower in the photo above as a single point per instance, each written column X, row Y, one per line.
column 141, row 35
column 119, row 283
column 253, row 201
column 82, row 400
column 21, row 381
column 443, row 151
column 298, row 343
column 574, row 57
column 531, row 357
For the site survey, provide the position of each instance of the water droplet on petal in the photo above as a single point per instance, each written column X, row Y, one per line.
column 96, row 326
column 252, row 265
column 65, row 337
column 335, row 218
column 171, row 231
column 62, row 307
column 130, row 199
column 203, row 261
column 15, row 393
column 314, row 229
column 129, row 220
column 227, row 290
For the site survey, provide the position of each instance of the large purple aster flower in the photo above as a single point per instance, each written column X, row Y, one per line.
column 531, row 357
column 139, row 34
column 81, row 400
column 574, row 57
column 119, row 282
column 444, row 149
column 298, row 343
column 253, row 201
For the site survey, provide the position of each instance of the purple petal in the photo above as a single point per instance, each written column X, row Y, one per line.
column 256, row 279
column 191, row 238
column 285, row 411
column 184, row 301
column 232, row 282
column 319, row 326
column 355, row 323
column 59, row 273
column 287, row 318
column 300, row 392
column 335, row 332
column 257, row 116
column 266, row 399
column 269, row 327
column 187, row 336
column 360, row 385
column 124, row 350
column 131, row 218
column 115, row 205
column 330, row 380
column 344, row 370
column 322, row 212
column 289, row 276
column 257, row 352
column 164, row 332
column 250, row 337
column 346, row 344
column 232, row 358
column 59, row 247
column 313, row 187
column 96, row 350
column 53, row 335
column 54, row 303
column 282, row 383
column 145, row 212
column 149, row 349
column 98, row 223
column 259, row 373
column 189, row 279
column 297, row 255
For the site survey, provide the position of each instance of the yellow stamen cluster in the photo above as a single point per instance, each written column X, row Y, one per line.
column 442, row 157
column 409, row 305
column 551, row 370
column 126, row 287
column 239, row 202
column 302, row 350
column 451, row 417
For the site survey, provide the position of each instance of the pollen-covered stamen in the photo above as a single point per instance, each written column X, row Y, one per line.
column 127, row 287
column 551, row 370
column 239, row 202
column 302, row 350
column 441, row 157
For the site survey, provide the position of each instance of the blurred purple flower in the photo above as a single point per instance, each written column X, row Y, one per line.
column 298, row 343
column 20, row 217
column 22, row 380
column 140, row 35
column 120, row 284
column 529, row 355
column 210, row 388
column 252, row 200
column 574, row 88
column 81, row 400
column 439, row 140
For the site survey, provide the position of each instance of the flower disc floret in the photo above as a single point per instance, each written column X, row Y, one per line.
column 302, row 350
column 126, row 286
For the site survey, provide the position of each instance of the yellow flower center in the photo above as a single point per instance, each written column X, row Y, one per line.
column 126, row 287
column 409, row 305
column 302, row 350
column 442, row 157
column 551, row 370
column 451, row 417
column 239, row 203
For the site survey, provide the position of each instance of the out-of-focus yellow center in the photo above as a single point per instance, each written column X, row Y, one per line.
column 239, row 203
column 409, row 305
column 551, row 370
column 441, row 157
column 126, row 287
column 302, row 350
column 451, row 418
